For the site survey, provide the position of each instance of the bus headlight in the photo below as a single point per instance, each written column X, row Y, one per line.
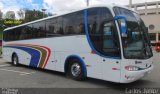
column 132, row 68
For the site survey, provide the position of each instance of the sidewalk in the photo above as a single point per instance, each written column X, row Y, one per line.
column 2, row 61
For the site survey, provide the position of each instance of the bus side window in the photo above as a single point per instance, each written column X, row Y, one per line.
column 50, row 27
column 39, row 29
column 81, row 28
column 21, row 37
column 14, row 34
column 73, row 23
column 110, row 37
column 79, row 23
column 29, row 31
column 11, row 34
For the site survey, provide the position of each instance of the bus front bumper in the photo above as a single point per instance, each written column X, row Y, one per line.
column 131, row 76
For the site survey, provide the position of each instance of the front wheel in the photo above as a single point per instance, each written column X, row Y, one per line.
column 15, row 60
column 76, row 70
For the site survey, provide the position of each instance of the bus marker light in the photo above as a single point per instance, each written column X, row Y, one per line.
column 54, row 61
column 88, row 65
column 115, row 69
column 92, row 52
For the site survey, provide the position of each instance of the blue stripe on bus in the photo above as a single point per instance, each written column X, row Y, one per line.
column 35, row 55
column 88, row 37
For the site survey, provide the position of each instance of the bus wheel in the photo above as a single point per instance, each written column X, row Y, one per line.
column 15, row 60
column 75, row 70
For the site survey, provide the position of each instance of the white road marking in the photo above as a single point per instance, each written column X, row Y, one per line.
column 21, row 73
column 27, row 73
column 5, row 65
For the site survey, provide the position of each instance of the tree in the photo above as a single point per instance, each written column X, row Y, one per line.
column 25, row 16
column 10, row 15
column 31, row 15
column 1, row 15
column 21, row 14
column 12, row 22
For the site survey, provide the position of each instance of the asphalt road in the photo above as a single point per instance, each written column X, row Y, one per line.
column 25, row 77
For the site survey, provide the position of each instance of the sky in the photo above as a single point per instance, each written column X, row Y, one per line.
column 56, row 6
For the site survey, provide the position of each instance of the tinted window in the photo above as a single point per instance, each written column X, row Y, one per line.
column 79, row 18
column 12, row 34
column 5, row 35
column 96, row 17
column 54, row 27
column 74, row 23
column 38, row 30
column 29, row 29
column 23, row 33
column 102, row 31
column 70, row 24
column 49, row 28
column 110, row 44
column 58, row 26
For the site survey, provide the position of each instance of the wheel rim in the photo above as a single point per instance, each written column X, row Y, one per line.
column 75, row 69
column 15, row 60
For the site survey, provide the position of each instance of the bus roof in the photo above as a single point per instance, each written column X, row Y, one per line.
column 108, row 6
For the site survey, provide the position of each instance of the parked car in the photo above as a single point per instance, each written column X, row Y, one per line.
column 157, row 46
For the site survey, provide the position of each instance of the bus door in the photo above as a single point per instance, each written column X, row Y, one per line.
column 111, row 55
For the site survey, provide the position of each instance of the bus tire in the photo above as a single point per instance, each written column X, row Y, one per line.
column 15, row 60
column 76, row 71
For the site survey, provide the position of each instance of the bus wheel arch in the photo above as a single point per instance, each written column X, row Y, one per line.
column 70, row 60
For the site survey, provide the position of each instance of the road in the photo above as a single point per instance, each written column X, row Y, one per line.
column 25, row 77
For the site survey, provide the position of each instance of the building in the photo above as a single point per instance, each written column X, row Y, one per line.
column 150, row 13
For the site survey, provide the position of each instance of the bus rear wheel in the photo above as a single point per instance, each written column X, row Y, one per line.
column 76, row 70
column 15, row 60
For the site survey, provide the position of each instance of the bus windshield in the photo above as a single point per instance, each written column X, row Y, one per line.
column 137, row 44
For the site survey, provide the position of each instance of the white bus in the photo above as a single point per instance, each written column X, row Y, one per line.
column 103, row 42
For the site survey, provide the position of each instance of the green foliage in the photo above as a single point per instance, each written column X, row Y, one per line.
column 1, row 34
column 31, row 15
column 1, row 29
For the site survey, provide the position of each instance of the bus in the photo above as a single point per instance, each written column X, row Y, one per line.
column 106, row 42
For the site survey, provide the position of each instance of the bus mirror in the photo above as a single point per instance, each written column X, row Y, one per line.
column 122, row 22
column 123, row 28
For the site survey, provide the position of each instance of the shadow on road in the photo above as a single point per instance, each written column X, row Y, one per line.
column 137, row 84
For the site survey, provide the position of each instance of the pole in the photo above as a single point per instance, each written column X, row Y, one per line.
column 43, row 10
column 130, row 4
column 87, row 3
